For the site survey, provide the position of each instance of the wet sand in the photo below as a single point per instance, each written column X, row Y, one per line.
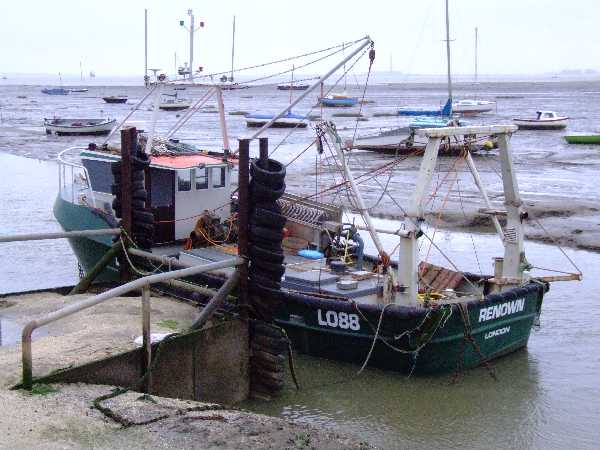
column 64, row 416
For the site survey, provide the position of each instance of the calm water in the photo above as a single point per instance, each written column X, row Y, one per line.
column 547, row 396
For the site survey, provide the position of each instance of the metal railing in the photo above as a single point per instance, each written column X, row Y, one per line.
column 78, row 175
column 141, row 283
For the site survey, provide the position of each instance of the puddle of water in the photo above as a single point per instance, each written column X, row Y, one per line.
column 10, row 332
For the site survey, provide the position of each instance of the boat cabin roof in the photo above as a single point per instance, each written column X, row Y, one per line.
column 546, row 114
column 175, row 162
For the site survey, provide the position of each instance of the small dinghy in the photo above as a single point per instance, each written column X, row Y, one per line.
column 545, row 120
column 115, row 99
column 55, row 91
column 338, row 100
column 473, row 106
column 583, row 138
column 289, row 120
column 63, row 127
column 78, row 90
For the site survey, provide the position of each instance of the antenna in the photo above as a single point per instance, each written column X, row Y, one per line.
column 232, row 48
column 146, row 47
column 476, row 54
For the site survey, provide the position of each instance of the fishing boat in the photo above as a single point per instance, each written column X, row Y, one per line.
column 338, row 101
column 56, row 91
column 583, row 138
column 170, row 102
column 115, row 99
column 78, row 90
column 289, row 120
column 544, row 120
column 394, row 311
column 62, row 127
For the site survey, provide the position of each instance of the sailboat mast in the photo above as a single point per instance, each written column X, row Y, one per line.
column 146, row 47
column 191, row 14
column 232, row 48
column 448, row 50
column 476, row 54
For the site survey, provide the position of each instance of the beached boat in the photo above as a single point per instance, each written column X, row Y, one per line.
column 444, row 111
column 56, row 91
column 79, row 126
column 338, row 101
column 335, row 301
column 170, row 102
column 544, row 120
column 289, row 120
column 115, row 99
column 292, row 87
column 583, row 138
column 471, row 107
column 439, row 319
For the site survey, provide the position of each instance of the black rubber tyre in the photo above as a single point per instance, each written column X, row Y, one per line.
column 266, row 234
column 139, row 184
column 261, row 193
column 140, row 194
column 267, row 218
column 274, row 257
column 137, row 175
column 275, row 271
column 269, row 245
column 275, row 171
column 265, row 281
column 274, row 268
column 269, row 206
column 141, row 227
column 135, row 204
column 142, row 216
column 115, row 167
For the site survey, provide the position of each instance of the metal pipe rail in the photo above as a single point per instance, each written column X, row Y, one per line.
column 143, row 283
column 59, row 235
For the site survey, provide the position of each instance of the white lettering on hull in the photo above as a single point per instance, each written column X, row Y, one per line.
column 498, row 332
column 336, row 319
column 505, row 309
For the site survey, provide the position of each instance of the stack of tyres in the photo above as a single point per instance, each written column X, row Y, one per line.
column 266, row 235
column 142, row 219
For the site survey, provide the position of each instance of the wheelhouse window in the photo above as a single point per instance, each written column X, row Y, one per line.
column 100, row 174
column 218, row 177
column 184, row 180
column 201, row 178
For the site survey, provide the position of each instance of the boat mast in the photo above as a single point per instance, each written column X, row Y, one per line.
column 475, row 55
column 191, row 14
column 232, row 48
column 448, row 51
column 146, row 47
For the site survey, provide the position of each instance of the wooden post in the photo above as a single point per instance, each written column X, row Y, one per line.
column 128, row 146
column 243, row 217
column 263, row 148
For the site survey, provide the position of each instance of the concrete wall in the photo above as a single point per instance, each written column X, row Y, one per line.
column 206, row 365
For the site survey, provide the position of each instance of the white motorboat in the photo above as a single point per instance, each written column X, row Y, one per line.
column 78, row 126
column 174, row 103
column 473, row 106
column 545, row 120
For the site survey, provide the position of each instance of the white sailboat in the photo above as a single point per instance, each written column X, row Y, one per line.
column 473, row 106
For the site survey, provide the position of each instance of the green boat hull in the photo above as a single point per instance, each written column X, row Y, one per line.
column 497, row 327
column 583, row 139
column 88, row 250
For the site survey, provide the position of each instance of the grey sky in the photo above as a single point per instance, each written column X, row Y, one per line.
column 516, row 36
